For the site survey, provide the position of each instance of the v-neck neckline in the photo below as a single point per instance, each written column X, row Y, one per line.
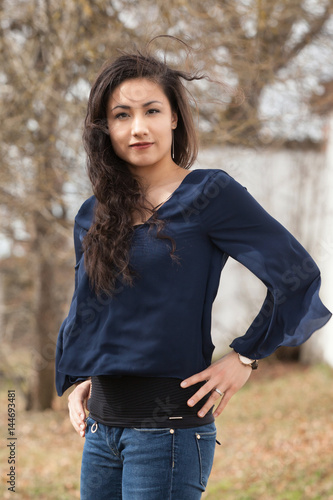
column 165, row 201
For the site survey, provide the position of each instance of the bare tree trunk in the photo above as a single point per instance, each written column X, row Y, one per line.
column 45, row 320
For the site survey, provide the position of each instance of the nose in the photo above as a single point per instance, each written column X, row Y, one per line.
column 139, row 126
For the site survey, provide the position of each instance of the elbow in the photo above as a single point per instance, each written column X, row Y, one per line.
column 300, row 275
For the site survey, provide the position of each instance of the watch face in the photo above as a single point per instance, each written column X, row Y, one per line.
column 245, row 360
column 253, row 363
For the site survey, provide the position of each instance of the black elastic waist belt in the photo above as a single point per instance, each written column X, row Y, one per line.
column 152, row 402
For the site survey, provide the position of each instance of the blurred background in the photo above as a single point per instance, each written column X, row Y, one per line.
column 269, row 124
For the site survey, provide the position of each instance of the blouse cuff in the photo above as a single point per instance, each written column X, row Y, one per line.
column 283, row 321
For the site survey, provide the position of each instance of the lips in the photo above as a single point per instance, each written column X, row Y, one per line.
column 141, row 145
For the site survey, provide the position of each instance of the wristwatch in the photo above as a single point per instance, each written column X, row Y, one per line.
column 253, row 363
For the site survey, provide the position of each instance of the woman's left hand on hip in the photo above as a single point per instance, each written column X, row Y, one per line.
column 226, row 376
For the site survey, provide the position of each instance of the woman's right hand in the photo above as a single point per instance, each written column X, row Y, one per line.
column 77, row 405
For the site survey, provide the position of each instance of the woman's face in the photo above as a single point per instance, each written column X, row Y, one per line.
column 140, row 122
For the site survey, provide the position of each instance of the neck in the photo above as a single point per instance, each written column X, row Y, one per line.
column 153, row 175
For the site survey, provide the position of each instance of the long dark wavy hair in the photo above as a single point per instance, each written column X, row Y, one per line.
column 118, row 193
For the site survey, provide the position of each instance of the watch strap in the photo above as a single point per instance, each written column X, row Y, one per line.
column 253, row 363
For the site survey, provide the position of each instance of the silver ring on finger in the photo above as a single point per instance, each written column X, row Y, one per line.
column 218, row 391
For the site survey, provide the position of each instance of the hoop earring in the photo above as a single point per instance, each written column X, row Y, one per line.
column 173, row 146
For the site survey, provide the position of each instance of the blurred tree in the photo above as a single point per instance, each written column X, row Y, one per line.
column 250, row 44
column 322, row 103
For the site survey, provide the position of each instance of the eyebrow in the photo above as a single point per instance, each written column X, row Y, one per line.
column 129, row 107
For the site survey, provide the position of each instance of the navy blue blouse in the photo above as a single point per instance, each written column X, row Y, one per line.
column 161, row 327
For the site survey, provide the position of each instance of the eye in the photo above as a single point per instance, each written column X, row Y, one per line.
column 152, row 111
column 121, row 116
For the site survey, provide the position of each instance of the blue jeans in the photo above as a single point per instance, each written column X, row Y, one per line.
column 146, row 464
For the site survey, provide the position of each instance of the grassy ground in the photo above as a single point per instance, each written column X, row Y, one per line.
column 276, row 442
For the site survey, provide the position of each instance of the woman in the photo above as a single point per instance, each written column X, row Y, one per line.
column 150, row 247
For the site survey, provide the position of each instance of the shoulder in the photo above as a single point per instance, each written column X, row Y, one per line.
column 208, row 174
column 214, row 182
column 85, row 215
column 219, row 193
column 203, row 180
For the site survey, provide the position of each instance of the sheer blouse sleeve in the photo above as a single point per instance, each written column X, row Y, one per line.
column 241, row 228
column 63, row 382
